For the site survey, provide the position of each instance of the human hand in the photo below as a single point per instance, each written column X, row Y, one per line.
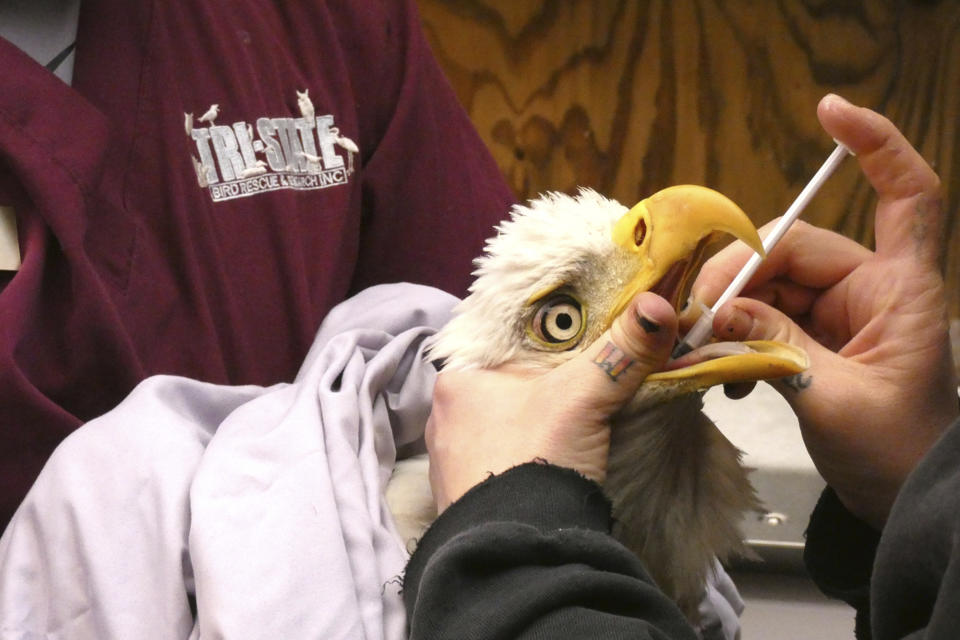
column 880, row 388
column 486, row 421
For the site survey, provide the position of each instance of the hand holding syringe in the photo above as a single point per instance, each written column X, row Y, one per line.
column 701, row 331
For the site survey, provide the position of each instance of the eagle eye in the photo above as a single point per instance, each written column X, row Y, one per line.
column 558, row 321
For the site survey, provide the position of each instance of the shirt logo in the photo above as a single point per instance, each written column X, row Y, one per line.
column 242, row 160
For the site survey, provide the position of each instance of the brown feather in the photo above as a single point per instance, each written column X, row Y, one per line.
column 679, row 493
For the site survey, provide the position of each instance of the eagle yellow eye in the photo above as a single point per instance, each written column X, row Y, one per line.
column 559, row 320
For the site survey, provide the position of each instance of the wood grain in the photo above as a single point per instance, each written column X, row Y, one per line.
column 629, row 96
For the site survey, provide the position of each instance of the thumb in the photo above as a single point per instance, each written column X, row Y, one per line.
column 910, row 198
column 637, row 344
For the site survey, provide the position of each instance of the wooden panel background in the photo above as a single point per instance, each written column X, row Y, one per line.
column 629, row 96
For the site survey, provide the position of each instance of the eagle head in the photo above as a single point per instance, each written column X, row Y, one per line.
column 551, row 281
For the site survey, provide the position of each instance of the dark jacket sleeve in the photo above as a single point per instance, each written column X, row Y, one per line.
column 839, row 555
column 905, row 581
column 527, row 554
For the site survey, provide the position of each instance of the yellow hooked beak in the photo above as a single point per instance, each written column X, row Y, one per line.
column 667, row 235
column 669, row 231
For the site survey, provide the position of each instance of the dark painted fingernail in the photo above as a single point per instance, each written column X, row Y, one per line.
column 648, row 325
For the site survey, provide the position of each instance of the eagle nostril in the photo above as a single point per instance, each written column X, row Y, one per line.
column 640, row 232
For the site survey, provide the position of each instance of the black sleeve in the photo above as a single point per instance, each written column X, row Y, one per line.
column 905, row 582
column 839, row 555
column 527, row 554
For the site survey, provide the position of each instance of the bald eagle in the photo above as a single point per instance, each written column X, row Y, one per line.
column 549, row 283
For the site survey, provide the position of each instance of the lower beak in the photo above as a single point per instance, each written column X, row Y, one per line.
column 754, row 360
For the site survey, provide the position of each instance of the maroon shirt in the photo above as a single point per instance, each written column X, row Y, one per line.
column 214, row 250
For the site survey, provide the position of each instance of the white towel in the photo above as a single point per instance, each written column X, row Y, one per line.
column 267, row 503
column 206, row 511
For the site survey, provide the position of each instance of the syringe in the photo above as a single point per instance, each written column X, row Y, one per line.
column 701, row 331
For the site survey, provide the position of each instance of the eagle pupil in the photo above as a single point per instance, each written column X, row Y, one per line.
column 564, row 321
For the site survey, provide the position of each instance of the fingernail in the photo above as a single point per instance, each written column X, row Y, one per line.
column 648, row 325
column 649, row 312
column 832, row 100
column 654, row 315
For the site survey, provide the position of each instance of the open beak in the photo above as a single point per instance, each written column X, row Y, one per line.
column 667, row 235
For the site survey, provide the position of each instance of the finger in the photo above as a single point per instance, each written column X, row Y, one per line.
column 744, row 319
column 747, row 319
column 807, row 255
column 821, row 315
column 637, row 344
column 894, row 168
column 898, row 173
column 790, row 298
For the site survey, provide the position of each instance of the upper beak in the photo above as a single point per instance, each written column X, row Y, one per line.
column 667, row 234
column 671, row 227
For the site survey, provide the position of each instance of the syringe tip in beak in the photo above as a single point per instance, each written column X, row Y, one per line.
column 698, row 335
column 681, row 350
